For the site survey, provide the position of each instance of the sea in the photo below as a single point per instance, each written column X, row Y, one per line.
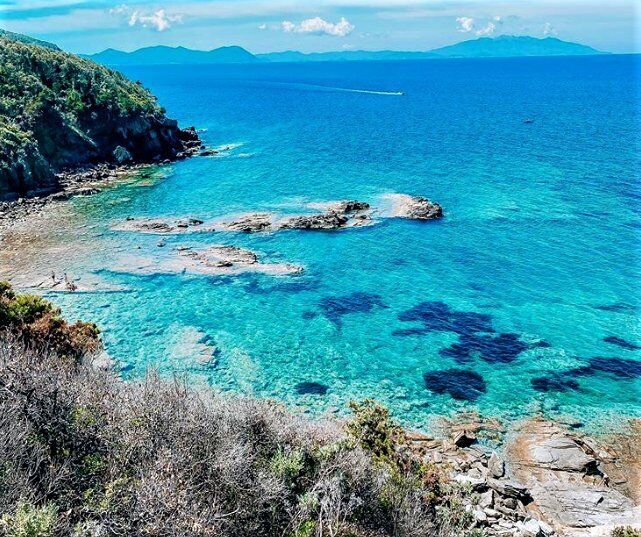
column 523, row 300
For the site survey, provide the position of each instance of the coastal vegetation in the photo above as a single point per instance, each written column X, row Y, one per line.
column 58, row 110
column 83, row 453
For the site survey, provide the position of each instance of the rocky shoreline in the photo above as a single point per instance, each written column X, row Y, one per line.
column 546, row 480
column 82, row 181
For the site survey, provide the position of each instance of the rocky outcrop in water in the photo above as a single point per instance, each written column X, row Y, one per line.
column 218, row 260
column 414, row 207
column 250, row 223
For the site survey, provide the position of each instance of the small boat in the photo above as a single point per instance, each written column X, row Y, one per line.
column 527, row 121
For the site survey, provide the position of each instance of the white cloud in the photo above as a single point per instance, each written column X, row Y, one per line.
column 262, row 26
column 159, row 20
column 465, row 24
column 469, row 25
column 318, row 26
column 119, row 10
column 488, row 29
column 549, row 30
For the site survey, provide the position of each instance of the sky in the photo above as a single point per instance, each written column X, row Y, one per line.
column 88, row 26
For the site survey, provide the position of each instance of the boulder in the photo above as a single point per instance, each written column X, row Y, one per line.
column 579, row 505
column 121, row 155
column 563, row 453
column 496, row 466
column 510, row 489
column 464, row 438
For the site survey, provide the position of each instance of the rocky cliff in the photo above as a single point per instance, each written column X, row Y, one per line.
column 59, row 111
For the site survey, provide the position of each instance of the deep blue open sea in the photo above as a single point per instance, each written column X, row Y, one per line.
column 526, row 296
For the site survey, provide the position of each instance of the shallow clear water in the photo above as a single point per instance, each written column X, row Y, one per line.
column 541, row 237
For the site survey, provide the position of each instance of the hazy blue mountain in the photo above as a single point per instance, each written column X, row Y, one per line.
column 484, row 47
column 27, row 39
column 510, row 45
column 172, row 55
column 344, row 56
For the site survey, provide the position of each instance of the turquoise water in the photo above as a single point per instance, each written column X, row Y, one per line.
column 501, row 307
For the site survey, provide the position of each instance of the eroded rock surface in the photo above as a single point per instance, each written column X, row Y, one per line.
column 567, row 483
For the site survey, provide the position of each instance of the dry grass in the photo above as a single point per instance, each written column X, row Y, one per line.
column 83, row 453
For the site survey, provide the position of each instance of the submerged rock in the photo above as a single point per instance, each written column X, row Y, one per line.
column 460, row 384
column 312, row 388
column 158, row 226
column 335, row 307
column 222, row 257
column 623, row 343
column 213, row 261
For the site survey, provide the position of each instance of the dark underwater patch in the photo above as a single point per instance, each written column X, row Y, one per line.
column 554, row 383
column 410, row 332
column 262, row 286
column 460, row 384
column 502, row 348
column 620, row 342
column 335, row 307
column 619, row 307
column 619, row 367
column 562, row 382
column 439, row 317
column 309, row 315
column 311, row 388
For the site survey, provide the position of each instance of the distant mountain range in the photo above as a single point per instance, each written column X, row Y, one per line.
column 176, row 55
column 484, row 47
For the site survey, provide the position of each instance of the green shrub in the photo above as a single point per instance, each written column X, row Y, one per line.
column 627, row 531
column 287, row 465
column 38, row 322
column 373, row 428
column 30, row 521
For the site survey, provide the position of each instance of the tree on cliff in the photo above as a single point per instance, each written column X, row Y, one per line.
column 58, row 110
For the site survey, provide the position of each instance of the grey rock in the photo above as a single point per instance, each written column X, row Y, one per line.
column 496, row 466
column 530, row 528
column 480, row 516
column 121, row 155
column 486, row 499
column 476, row 483
column 349, row 206
column 510, row 488
column 251, row 223
column 464, row 438
column 563, row 453
column 580, row 505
